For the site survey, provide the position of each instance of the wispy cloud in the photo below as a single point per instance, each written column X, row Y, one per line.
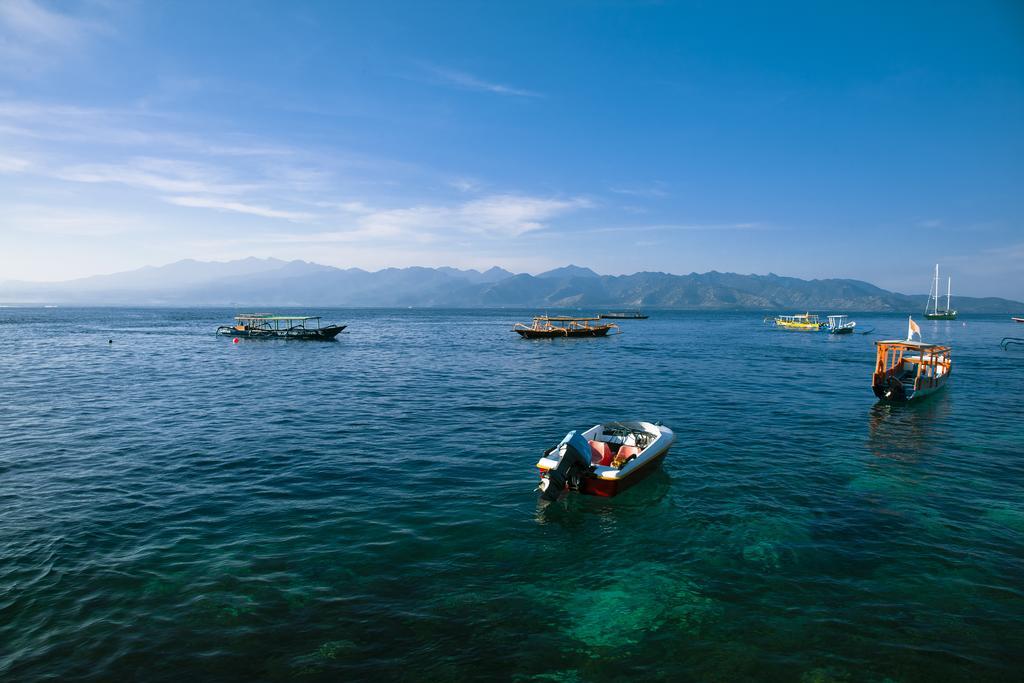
column 464, row 184
column 10, row 164
column 657, row 190
column 162, row 175
column 238, row 207
column 498, row 217
column 467, row 81
column 676, row 227
column 33, row 37
column 503, row 215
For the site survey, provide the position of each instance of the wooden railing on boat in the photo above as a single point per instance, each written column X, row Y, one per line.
column 932, row 358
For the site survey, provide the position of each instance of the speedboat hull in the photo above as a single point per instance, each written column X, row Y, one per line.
column 619, row 455
column 608, row 488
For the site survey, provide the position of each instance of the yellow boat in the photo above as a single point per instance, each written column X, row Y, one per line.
column 807, row 322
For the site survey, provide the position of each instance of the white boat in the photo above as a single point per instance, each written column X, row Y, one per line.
column 840, row 324
column 603, row 460
column 933, row 300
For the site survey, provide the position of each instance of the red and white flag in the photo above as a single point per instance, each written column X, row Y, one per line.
column 913, row 329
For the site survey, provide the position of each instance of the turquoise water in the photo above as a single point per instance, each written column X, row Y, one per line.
column 176, row 506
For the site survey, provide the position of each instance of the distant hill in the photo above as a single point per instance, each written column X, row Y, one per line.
column 267, row 283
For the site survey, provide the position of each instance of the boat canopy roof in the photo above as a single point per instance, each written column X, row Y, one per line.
column 269, row 316
column 904, row 344
column 561, row 318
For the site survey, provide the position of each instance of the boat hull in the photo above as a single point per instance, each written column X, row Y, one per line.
column 879, row 381
column 941, row 316
column 323, row 334
column 605, row 480
column 800, row 327
column 599, row 331
column 608, row 488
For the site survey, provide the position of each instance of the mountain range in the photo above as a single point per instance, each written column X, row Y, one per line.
column 271, row 282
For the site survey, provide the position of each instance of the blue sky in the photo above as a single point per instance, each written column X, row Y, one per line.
column 808, row 139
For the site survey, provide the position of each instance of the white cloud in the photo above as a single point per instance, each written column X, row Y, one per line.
column 464, row 184
column 656, row 190
column 163, row 175
column 676, row 227
column 9, row 164
column 466, row 81
column 504, row 215
column 33, row 37
column 499, row 217
column 238, row 207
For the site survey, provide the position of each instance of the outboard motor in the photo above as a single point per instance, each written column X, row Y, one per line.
column 574, row 462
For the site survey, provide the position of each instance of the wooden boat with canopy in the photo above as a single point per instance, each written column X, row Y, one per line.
column 551, row 327
column 268, row 326
column 908, row 370
column 804, row 322
column 604, row 460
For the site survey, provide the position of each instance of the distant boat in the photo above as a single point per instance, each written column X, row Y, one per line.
column 604, row 460
column 907, row 370
column 1017, row 320
column 268, row 326
column 552, row 327
column 933, row 300
column 840, row 324
column 805, row 322
column 624, row 315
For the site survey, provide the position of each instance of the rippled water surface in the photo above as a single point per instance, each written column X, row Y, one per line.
column 178, row 507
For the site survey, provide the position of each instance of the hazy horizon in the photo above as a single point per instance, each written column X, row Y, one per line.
column 807, row 141
column 481, row 270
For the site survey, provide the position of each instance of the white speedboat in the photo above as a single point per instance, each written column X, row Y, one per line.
column 603, row 460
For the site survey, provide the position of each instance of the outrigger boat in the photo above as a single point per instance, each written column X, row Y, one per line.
column 907, row 370
column 805, row 322
column 549, row 327
column 933, row 298
column 604, row 460
column 624, row 315
column 840, row 324
column 266, row 326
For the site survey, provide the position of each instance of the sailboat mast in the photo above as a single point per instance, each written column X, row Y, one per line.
column 934, row 292
column 949, row 288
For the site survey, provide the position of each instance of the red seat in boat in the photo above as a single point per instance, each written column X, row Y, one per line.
column 626, row 451
column 600, row 453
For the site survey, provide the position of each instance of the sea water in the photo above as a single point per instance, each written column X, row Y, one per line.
column 176, row 506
